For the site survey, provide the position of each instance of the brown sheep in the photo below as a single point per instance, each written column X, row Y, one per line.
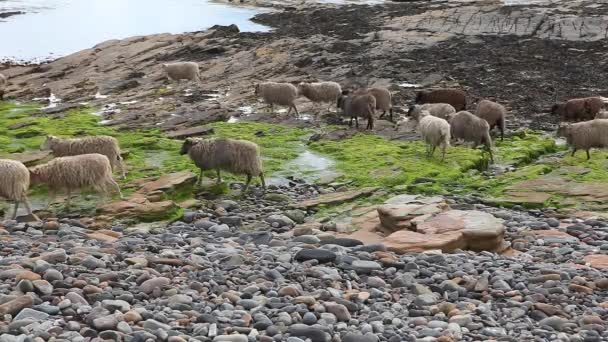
column 383, row 99
column 456, row 97
column 468, row 127
column 579, row 109
column 355, row 106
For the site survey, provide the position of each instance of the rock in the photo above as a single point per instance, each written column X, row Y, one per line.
column 139, row 208
column 335, row 198
column 321, row 255
column 554, row 322
column 108, row 322
column 344, row 242
column 191, row 132
column 365, row 266
column 231, row 338
column 309, row 318
column 153, row 325
column 307, row 239
column 313, row 333
column 395, row 217
column 43, row 287
column 354, row 337
column 28, row 313
column 338, row 310
column 280, row 221
column 149, row 285
column 296, row 215
column 14, row 306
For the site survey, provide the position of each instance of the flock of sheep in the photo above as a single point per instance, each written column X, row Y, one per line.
column 440, row 115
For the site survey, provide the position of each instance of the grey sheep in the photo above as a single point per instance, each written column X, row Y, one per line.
column 456, row 97
column 435, row 132
column 580, row 109
column 494, row 113
column 102, row 144
column 182, row 71
column 14, row 183
column 320, row 92
column 384, row 99
column 440, row 110
column 3, row 84
column 74, row 173
column 471, row 128
column 235, row 156
column 283, row 94
column 355, row 106
column 585, row 135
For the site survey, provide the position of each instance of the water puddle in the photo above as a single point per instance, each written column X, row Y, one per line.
column 524, row 2
column 409, row 85
column 156, row 159
column 308, row 166
column 245, row 111
column 53, row 100
column 101, row 20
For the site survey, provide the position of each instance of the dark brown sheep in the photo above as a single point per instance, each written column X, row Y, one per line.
column 579, row 109
column 456, row 97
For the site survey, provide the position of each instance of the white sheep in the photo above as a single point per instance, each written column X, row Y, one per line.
column 3, row 84
column 283, row 94
column 235, row 156
column 102, row 144
column 14, row 183
column 320, row 92
column 435, row 132
column 74, row 173
column 440, row 110
column 586, row 135
column 182, row 71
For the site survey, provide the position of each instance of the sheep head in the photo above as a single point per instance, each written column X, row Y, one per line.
column 558, row 108
column 564, row 131
column 187, row 145
column 48, row 142
column 420, row 96
column 341, row 100
column 35, row 176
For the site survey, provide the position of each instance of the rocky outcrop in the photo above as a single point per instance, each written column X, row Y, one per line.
column 417, row 224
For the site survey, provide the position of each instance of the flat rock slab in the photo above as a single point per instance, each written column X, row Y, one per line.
column 168, row 183
column 335, row 198
column 406, row 241
column 191, row 132
column 137, row 209
column 30, row 158
column 524, row 197
column 597, row 260
column 395, row 217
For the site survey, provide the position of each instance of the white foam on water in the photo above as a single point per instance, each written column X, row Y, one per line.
column 410, row 85
column 99, row 96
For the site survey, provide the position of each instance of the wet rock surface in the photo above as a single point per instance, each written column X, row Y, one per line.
column 518, row 54
column 204, row 278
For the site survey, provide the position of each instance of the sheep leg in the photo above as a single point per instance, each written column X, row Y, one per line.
column 29, row 208
column 263, row 181
column 443, row 150
column 67, row 202
column 350, row 123
column 246, row 185
column 116, row 187
column 200, row 178
column 121, row 167
column 432, row 150
column 390, row 113
column 16, row 208
column 588, row 156
column 295, row 109
column 356, row 122
column 573, row 152
column 1, row 95
column 51, row 198
column 219, row 177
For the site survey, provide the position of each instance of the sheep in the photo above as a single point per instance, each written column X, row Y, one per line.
column 354, row 106
column 235, row 156
column 440, row 110
column 283, row 94
column 3, row 84
column 14, row 183
column 580, row 109
column 494, row 113
column 75, row 172
column 469, row 127
column 320, row 92
column 455, row 97
column 383, row 99
column 435, row 132
column 102, row 144
column 182, row 71
column 585, row 135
